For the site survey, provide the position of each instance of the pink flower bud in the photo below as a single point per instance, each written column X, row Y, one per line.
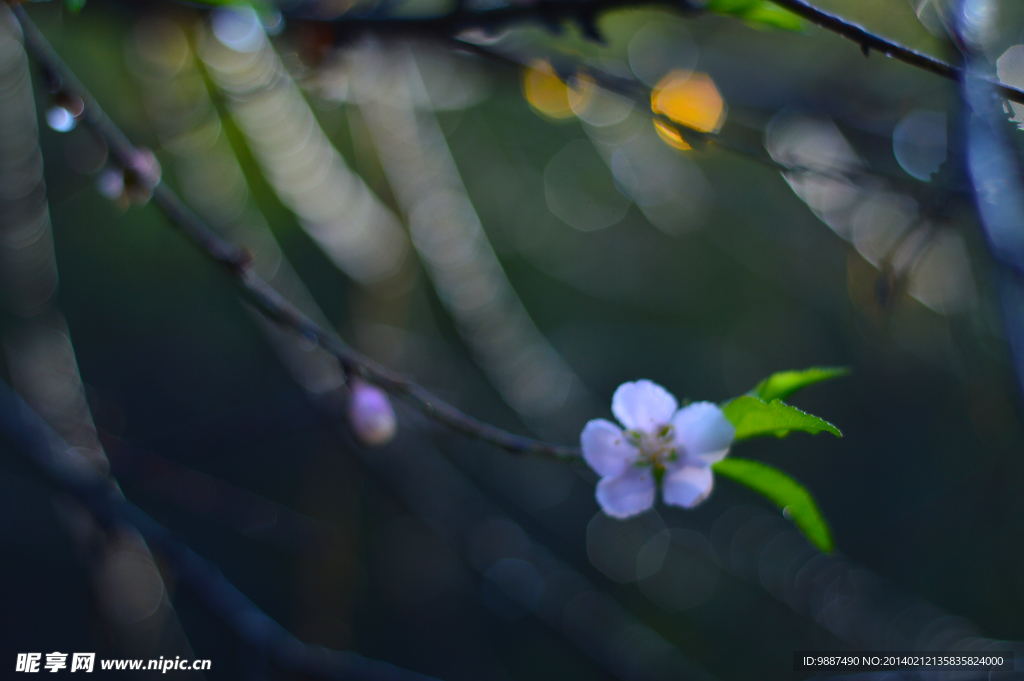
column 140, row 176
column 370, row 414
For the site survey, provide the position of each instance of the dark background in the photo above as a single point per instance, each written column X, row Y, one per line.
column 923, row 491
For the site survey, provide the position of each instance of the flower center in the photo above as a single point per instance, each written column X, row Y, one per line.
column 657, row 448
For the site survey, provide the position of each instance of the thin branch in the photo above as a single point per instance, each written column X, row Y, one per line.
column 237, row 261
column 583, row 12
column 435, row 28
column 549, row 13
column 44, row 451
column 872, row 41
column 41, row 357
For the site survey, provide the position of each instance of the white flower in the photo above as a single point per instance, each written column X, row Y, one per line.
column 661, row 444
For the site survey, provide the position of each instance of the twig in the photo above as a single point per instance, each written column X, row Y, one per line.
column 551, row 12
column 640, row 95
column 44, row 451
column 237, row 262
column 872, row 41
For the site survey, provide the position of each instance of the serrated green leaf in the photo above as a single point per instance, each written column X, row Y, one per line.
column 782, row 384
column 74, row 6
column 753, row 417
column 794, row 499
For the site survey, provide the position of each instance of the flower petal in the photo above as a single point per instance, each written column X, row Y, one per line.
column 703, row 433
column 643, row 405
column 687, row 486
column 605, row 448
column 628, row 493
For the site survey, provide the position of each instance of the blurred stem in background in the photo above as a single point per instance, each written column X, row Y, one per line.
column 139, row 171
column 993, row 165
column 128, row 588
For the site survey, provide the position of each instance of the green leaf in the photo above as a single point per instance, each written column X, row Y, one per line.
column 771, row 16
column 781, row 385
column 75, row 6
column 796, row 502
column 753, row 417
column 760, row 13
column 735, row 7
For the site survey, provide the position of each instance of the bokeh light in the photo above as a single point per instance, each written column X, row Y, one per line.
column 405, row 195
column 919, row 142
column 334, row 204
column 678, row 569
column 579, row 188
column 1010, row 70
column 671, row 136
column 661, row 47
column 60, row 119
column 595, row 106
column 547, row 93
column 690, row 99
column 614, row 545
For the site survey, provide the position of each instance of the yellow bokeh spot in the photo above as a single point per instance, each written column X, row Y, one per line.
column 671, row 136
column 690, row 99
column 548, row 95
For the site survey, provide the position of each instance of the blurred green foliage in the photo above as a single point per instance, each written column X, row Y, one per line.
column 760, row 13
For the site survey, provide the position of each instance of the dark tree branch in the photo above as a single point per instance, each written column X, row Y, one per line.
column 237, row 262
column 549, row 13
column 44, row 452
column 552, row 13
column 872, row 41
